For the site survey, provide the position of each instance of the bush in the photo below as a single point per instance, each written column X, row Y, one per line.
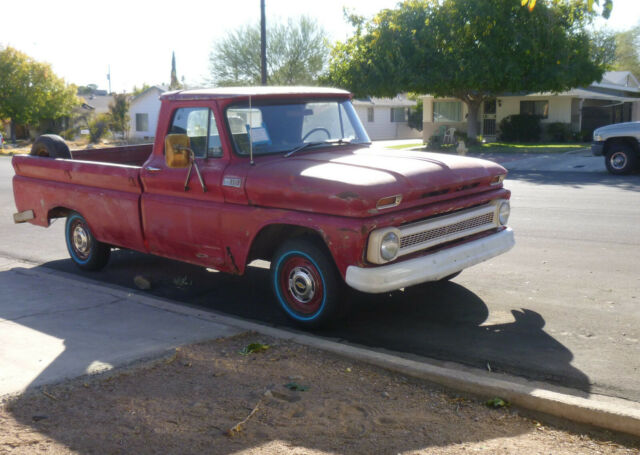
column 69, row 134
column 559, row 132
column 520, row 128
column 415, row 116
column 98, row 127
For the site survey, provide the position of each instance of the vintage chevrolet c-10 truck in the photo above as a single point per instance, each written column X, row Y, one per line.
column 284, row 174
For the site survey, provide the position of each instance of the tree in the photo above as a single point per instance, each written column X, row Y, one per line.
column 88, row 89
column 296, row 54
column 30, row 91
column 607, row 5
column 472, row 50
column 174, row 84
column 119, row 114
column 138, row 90
column 627, row 55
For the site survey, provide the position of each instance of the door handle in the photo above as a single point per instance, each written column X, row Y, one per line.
column 152, row 169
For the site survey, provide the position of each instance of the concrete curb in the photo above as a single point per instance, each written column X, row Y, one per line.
column 611, row 413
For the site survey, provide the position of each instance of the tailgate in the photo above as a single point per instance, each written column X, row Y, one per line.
column 106, row 195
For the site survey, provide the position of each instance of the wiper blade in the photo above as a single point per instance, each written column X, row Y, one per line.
column 302, row 147
column 315, row 144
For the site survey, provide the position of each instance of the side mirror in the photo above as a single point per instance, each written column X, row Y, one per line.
column 177, row 151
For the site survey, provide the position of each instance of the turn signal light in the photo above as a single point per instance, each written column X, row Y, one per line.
column 390, row 201
column 497, row 180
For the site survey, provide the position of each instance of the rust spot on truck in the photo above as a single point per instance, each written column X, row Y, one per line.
column 348, row 195
column 236, row 270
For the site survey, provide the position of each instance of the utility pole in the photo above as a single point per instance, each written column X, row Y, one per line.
column 263, row 44
column 109, row 79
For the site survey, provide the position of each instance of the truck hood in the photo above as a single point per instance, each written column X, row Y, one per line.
column 617, row 128
column 352, row 182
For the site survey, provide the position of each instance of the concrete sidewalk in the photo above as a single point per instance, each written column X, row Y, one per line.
column 54, row 328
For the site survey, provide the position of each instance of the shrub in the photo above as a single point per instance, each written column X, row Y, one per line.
column 559, row 132
column 415, row 116
column 520, row 128
column 98, row 127
column 69, row 134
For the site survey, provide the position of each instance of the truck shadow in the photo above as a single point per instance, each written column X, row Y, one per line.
column 442, row 321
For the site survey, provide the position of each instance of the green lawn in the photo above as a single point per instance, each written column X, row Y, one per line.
column 405, row 146
column 504, row 147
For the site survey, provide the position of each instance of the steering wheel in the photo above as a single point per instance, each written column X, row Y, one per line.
column 324, row 130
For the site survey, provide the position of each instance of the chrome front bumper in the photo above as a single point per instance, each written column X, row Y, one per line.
column 430, row 267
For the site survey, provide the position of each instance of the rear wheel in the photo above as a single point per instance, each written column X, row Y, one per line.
column 621, row 159
column 50, row 145
column 85, row 251
column 305, row 282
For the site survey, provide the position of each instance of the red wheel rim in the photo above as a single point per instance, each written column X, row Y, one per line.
column 301, row 285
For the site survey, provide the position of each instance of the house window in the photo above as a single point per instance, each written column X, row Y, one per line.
column 142, row 122
column 398, row 114
column 447, row 111
column 370, row 115
column 540, row 108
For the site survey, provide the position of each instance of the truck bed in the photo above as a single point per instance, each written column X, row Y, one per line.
column 102, row 184
column 132, row 155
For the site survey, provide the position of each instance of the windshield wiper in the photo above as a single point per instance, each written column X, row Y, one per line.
column 315, row 144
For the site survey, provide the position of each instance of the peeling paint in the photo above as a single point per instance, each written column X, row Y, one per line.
column 233, row 261
column 347, row 195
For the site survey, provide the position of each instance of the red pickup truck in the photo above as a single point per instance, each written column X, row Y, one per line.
column 283, row 174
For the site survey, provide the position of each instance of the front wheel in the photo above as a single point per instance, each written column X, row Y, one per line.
column 621, row 159
column 85, row 251
column 305, row 282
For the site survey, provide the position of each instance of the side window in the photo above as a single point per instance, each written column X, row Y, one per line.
column 199, row 124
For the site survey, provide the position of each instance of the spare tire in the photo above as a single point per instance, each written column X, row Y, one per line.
column 50, row 145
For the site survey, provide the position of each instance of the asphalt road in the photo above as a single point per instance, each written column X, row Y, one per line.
column 563, row 306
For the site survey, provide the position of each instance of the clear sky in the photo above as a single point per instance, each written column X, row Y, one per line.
column 81, row 38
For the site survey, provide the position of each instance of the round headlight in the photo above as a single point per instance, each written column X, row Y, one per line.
column 389, row 246
column 503, row 212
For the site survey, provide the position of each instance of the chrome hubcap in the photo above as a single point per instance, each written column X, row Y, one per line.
column 618, row 160
column 80, row 240
column 301, row 284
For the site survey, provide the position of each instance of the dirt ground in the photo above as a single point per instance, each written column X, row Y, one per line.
column 213, row 398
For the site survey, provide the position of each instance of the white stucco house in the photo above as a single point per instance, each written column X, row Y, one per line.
column 144, row 111
column 386, row 118
column 615, row 99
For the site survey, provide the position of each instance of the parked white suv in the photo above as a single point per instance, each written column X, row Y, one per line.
column 620, row 145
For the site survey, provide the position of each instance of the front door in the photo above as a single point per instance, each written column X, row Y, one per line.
column 489, row 118
column 184, row 223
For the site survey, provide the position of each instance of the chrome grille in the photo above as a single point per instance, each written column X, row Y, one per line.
column 446, row 231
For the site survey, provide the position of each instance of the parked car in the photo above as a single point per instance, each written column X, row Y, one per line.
column 620, row 145
column 286, row 175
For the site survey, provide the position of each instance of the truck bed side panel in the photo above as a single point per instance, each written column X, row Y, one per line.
column 106, row 195
column 134, row 155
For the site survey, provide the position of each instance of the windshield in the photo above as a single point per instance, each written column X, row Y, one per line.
column 276, row 127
